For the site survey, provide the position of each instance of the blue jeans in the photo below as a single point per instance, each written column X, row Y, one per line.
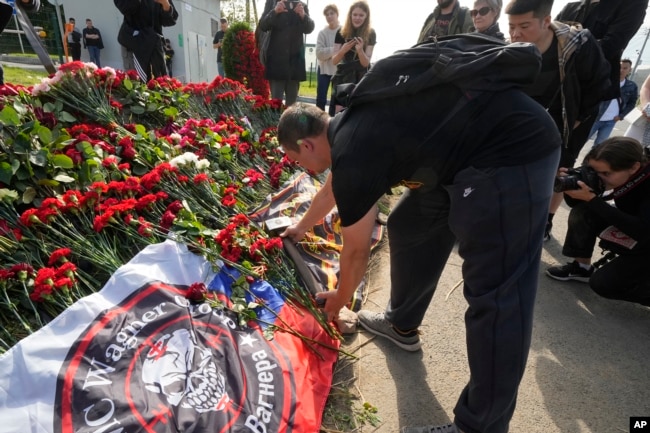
column 93, row 52
column 603, row 128
column 220, row 70
column 322, row 88
column 499, row 227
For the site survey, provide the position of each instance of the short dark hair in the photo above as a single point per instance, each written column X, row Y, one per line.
column 223, row 21
column 539, row 8
column 300, row 120
column 621, row 153
column 627, row 61
column 71, row 19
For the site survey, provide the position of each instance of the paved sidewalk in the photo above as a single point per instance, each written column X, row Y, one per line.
column 587, row 371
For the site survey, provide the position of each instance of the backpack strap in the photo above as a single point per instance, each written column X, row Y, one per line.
column 462, row 17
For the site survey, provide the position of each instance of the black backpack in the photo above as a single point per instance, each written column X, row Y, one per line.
column 473, row 62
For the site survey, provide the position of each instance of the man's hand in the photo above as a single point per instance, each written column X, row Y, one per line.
column 280, row 8
column 333, row 303
column 294, row 232
column 299, row 9
column 164, row 3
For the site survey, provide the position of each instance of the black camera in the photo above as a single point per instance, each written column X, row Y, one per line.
column 586, row 174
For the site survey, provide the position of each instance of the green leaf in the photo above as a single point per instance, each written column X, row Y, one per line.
column 20, row 107
column 38, row 157
column 44, row 134
column 62, row 161
column 48, row 182
column 137, row 109
column 49, row 107
column 64, row 116
column 6, row 173
column 64, row 178
column 9, row 116
column 29, row 194
column 170, row 111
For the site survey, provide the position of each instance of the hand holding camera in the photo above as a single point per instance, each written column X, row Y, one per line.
column 582, row 183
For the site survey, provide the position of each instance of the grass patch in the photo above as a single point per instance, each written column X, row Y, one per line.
column 307, row 87
column 26, row 77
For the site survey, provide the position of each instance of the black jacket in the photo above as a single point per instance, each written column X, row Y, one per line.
column 613, row 23
column 286, row 53
column 6, row 10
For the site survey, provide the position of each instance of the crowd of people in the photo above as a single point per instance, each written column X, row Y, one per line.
column 514, row 151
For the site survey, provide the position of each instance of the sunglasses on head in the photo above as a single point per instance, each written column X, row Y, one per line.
column 482, row 12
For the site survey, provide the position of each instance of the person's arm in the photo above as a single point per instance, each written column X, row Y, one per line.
column 31, row 5
column 127, row 7
column 635, row 226
column 629, row 102
column 306, row 24
column 323, row 51
column 644, row 97
column 353, row 263
column 592, row 70
column 322, row 203
column 342, row 49
column 168, row 16
column 629, row 17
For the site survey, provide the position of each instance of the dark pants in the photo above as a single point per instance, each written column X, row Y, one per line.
column 498, row 217
column 285, row 89
column 75, row 51
column 626, row 278
column 322, row 88
column 577, row 140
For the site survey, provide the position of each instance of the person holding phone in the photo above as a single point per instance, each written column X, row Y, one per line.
column 353, row 45
column 288, row 22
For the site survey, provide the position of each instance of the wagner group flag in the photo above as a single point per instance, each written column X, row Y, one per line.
column 138, row 356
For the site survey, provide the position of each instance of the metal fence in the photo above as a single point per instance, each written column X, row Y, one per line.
column 14, row 42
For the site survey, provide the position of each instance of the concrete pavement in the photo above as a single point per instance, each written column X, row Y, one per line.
column 587, row 371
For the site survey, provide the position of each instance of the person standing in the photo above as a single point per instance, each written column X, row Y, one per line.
column 144, row 20
column 353, row 45
column 288, row 22
column 6, row 12
column 614, row 110
column 573, row 77
column 169, row 55
column 93, row 41
column 74, row 40
column 448, row 18
column 217, row 43
column 324, row 52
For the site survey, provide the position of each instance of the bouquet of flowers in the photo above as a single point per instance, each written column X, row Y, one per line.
column 87, row 180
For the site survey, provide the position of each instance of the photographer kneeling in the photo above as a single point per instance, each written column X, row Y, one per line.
column 624, row 229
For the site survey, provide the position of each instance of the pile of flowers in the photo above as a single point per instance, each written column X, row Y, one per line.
column 96, row 165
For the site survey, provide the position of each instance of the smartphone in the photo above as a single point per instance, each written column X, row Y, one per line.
column 289, row 5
